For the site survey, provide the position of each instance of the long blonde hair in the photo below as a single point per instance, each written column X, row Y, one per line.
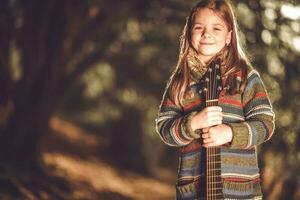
column 235, row 60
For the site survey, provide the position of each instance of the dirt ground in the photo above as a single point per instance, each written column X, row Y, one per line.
column 73, row 155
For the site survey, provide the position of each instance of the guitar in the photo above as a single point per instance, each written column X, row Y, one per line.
column 213, row 87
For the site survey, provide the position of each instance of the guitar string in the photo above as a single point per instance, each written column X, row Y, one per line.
column 214, row 148
column 213, row 78
column 211, row 149
column 215, row 96
column 207, row 149
column 212, row 152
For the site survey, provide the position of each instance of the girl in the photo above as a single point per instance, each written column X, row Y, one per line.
column 242, row 120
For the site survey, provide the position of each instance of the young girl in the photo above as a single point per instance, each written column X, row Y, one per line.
column 242, row 120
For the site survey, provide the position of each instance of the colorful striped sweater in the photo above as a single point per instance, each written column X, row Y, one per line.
column 251, row 118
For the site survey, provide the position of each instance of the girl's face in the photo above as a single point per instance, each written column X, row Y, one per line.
column 209, row 34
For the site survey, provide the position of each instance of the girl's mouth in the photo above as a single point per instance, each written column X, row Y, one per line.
column 206, row 43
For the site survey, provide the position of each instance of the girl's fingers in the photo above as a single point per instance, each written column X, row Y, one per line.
column 211, row 144
column 205, row 135
column 214, row 108
column 214, row 122
column 214, row 113
column 207, row 141
column 205, row 130
column 217, row 119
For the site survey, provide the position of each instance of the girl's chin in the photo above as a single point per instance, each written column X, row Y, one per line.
column 207, row 53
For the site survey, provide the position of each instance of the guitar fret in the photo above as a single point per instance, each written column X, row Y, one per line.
column 218, row 195
column 215, row 161
column 214, row 183
column 216, row 191
column 212, row 100
column 214, row 169
column 217, row 175
column 214, row 194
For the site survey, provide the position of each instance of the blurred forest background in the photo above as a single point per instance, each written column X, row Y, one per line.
column 80, row 86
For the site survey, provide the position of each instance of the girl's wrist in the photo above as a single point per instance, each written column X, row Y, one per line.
column 195, row 125
column 229, row 133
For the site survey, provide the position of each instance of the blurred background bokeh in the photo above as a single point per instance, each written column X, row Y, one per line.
column 80, row 86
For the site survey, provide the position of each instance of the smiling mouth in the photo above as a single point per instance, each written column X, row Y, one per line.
column 206, row 43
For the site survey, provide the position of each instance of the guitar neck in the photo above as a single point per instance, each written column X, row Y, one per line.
column 213, row 169
column 213, row 157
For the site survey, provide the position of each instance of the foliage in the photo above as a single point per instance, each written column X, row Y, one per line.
column 104, row 65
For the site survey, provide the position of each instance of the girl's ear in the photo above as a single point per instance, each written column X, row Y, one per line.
column 228, row 38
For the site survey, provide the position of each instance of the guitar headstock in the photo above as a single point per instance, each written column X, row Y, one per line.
column 212, row 81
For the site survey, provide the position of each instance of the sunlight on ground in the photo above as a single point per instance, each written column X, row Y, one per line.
column 91, row 175
column 74, row 133
column 102, row 177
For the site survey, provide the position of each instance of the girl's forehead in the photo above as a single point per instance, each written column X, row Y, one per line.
column 208, row 16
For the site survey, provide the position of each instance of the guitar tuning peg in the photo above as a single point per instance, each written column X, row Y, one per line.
column 205, row 89
column 209, row 69
column 207, row 79
column 227, row 87
column 219, row 88
column 217, row 66
column 200, row 91
column 218, row 77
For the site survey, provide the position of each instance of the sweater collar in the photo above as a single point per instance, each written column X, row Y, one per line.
column 196, row 66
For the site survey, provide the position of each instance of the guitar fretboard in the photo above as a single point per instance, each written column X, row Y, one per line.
column 213, row 158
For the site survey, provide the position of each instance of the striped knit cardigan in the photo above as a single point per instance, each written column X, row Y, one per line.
column 251, row 118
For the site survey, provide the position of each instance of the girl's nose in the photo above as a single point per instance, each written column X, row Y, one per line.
column 205, row 33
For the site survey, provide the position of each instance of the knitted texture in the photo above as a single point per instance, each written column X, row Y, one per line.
column 251, row 118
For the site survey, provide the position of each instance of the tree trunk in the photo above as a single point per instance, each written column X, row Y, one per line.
column 40, row 41
column 20, row 138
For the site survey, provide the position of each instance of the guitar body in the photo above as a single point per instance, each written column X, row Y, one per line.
column 213, row 86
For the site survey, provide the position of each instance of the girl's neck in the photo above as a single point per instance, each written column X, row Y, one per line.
column 205, row 60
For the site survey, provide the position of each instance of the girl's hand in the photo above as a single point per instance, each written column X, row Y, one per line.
column 209, row 116
column 216, row 135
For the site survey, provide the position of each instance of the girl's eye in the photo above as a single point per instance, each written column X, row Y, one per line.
column 217, row 29
column 198, row 28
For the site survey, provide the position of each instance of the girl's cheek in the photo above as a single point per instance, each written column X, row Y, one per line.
column 194, row 46
column 197, row 35
column 196, row 38
column 193, row 40
column 194, row 43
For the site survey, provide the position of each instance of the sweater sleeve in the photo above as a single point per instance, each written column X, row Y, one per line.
column 172, row 125
column 258, row 126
